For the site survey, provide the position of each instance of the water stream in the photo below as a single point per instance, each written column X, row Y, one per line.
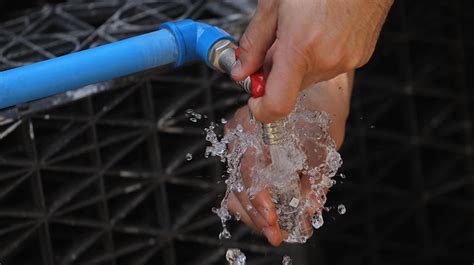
column 308, row 151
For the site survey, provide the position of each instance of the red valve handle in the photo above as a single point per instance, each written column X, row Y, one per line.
column 257, row 80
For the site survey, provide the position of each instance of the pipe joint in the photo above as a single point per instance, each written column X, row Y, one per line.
column 195, row 40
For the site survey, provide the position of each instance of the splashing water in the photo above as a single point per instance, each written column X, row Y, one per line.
column 194, row 116
column 287, row 260
column 189, row 156
column 341, row 209
column 308, row 150
column 235, row 257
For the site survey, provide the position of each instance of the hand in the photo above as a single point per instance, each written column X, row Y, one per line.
column 312, row 41
column 332, row 97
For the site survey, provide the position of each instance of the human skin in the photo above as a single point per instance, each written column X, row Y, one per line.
column 332, row 97
column 302, row 44
column 313, row 41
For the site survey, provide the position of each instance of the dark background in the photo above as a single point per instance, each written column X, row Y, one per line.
column 101, row 183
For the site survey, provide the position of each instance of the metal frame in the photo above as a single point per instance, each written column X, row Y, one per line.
column 104, row 179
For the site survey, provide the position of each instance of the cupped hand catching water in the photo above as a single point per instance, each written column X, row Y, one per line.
column 258, row 211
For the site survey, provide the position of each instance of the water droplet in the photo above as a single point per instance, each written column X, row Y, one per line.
column 342, row 175
column 237, row 216
column 198, row 116
column 189, row 111
column 294, row 202
column 193, row 119
column 239, row 128
column 372, row 126
column 225, row 234
column 317, row 220
column 235, row 257
column 189, row 156
column 287, row 260
column 341, row 209
column 223, row 121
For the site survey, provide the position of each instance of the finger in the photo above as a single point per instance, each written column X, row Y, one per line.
column 257, row 38
column 306, row 189
column 282, row 88
column 316, row 204
column 252, row 212
column 235, row 207
column 262, row 201
column 260, row 208
column 240, row 203
column 273, row 235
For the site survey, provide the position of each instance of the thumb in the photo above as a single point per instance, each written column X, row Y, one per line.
column 282, row 89
column 257, row 39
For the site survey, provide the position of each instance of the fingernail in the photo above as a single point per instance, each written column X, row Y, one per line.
column 237, row 70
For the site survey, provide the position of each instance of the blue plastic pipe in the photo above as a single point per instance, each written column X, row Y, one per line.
column 175, row 43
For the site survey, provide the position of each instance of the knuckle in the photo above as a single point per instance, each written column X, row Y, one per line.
column 240, row 114
column 334, row 60
column 330, row 62
column 300, row 57
column 355, row 62
column 363, row 62
column 278, row 109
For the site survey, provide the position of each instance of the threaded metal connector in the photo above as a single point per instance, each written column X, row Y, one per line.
column 245, row 85
column 222, row 58
column 274, row 133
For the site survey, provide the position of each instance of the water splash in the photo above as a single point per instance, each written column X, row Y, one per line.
column 194, row 116
column 287, row 260
column 189, row 156
column 309, row 150
column 341, row 209
column 235, row 257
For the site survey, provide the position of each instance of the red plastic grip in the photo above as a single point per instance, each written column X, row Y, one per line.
column 258, row 84
column 257, row 80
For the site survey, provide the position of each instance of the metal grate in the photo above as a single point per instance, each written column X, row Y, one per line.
column 408, row 154
column 102, row 177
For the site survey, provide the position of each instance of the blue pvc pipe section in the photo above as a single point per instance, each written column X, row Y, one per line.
column 87, row 67
column 176, row 43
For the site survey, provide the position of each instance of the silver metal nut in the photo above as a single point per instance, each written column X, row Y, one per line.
column 216, row 51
